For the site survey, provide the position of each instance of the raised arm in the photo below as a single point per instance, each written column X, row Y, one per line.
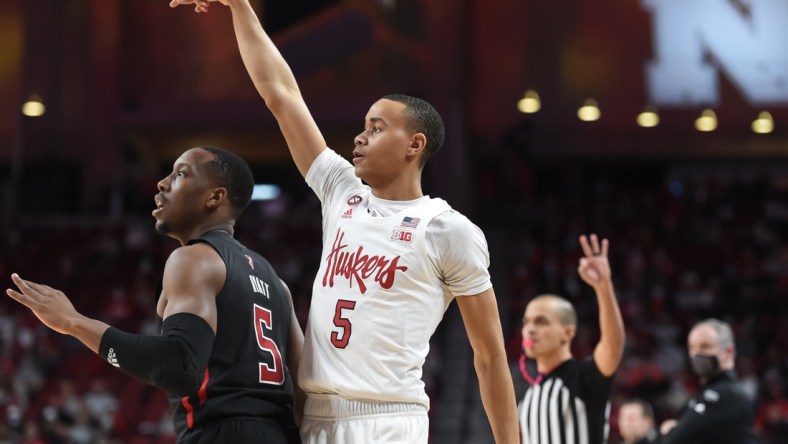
column 594, row 269
column 274, row 81
column 480, row 315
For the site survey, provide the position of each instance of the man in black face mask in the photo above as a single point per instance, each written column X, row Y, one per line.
column 721, row 413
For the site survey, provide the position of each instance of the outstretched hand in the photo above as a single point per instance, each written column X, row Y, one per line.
column 199, row 5
column 594, row 267
column 51, row 306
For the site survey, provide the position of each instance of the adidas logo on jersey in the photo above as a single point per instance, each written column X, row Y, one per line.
column 347, row 214
column 112, row 357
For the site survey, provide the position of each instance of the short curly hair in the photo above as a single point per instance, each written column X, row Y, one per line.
column 234, row 174
column 422, row 118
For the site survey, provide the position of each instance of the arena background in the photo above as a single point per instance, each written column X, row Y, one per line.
column 698, row 221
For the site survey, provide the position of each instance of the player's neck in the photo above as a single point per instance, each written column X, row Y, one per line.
column 397, row 190
column 226, row 226
column 402, row 185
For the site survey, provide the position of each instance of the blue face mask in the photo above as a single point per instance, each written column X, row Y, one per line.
column 705, row 366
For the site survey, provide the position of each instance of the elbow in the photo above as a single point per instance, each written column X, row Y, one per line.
column 277, row 98
column 617, row 346
column 188, row 384
column 272, row 100
column 181, row 377
column 615, row 343
column 488, row 362
column 617, row 352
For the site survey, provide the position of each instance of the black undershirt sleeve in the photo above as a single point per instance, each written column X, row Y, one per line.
column 174, row 361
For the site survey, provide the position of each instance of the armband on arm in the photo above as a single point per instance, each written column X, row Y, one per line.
column 174, row 361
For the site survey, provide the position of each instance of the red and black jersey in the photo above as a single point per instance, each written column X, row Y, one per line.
column 246, row 375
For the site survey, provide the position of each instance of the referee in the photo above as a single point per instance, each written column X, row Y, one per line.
column 568, row 400
column 721, row 413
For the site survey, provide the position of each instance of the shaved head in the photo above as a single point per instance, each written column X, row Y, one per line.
column 564, row 309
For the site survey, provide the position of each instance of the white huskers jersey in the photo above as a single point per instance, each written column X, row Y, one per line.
column 384, row 282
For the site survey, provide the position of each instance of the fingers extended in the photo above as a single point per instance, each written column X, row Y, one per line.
column 26, row 286
column 20, row 283
column 19, row 297
column 586, row 247
column 592, row 247
column 595, row 244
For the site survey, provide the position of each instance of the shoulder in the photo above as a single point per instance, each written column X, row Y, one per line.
column 328, row 158
column 574, row 366
column 588, row 367
column 584, row 376
column 726, row 391
column 454, row 238
column 194, row 252
column 452, row 222
column 330, row 172
column 194, row 261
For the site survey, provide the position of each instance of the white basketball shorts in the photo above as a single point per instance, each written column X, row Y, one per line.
column 332, row 420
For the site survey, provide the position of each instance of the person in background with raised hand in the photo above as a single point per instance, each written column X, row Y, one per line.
column 568, row 401
column 393, row 260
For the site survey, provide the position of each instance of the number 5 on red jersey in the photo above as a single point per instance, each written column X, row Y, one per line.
column 268, row 375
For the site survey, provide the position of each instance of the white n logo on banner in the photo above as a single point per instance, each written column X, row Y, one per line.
column 746, row 39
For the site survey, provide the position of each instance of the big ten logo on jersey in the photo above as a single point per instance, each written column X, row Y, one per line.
column 694, row 39
column 259, row 286
column 404, row 236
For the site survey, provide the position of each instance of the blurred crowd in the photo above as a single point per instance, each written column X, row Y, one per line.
column 686, row 243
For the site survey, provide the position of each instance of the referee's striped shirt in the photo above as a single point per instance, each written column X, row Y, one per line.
column 570, row 405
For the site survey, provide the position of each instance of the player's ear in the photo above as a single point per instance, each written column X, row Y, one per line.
column 216, row 197
column 418, row 142
column 570, row 331
column 730, row 353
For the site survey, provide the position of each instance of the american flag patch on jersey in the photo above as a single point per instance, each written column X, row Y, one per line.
column 411, row 222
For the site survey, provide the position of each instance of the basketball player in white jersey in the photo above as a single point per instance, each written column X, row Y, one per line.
column 393, row 259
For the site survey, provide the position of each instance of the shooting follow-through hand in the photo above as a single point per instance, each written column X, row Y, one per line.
column 199, row 5
column 50, row 306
